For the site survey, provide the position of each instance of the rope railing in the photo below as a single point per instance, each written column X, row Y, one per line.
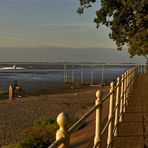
column 119, row 96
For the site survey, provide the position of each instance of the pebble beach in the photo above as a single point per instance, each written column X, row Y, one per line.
column 20, row 114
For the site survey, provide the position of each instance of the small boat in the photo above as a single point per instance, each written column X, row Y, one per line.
column 14, row 66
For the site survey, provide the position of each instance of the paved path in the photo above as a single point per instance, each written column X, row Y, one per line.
column 133, row 131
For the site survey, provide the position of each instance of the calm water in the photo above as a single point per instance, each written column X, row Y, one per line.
column 55, row 74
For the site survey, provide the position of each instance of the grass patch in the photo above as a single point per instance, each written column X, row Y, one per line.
column 52, row 124
column 38, row 137
column 45, row 122
column 42, row 134
column 12, row 146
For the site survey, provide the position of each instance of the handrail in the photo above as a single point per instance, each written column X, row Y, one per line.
column 123, row 85
column 71, row 73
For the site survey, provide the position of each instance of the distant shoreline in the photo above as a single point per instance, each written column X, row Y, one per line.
column 70, row 62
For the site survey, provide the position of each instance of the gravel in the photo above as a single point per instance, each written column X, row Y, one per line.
column 20, row 114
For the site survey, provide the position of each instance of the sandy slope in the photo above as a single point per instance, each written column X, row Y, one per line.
column 20, row 114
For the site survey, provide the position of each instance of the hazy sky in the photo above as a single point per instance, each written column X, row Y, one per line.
column 27, row 25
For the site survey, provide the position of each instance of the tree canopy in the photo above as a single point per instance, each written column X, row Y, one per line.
column 127, row 19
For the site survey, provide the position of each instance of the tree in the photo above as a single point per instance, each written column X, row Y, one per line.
column 128, row 21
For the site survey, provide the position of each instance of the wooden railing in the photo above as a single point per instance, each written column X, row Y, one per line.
column 118, row 96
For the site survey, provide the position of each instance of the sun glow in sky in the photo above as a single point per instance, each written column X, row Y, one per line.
column 49, row 23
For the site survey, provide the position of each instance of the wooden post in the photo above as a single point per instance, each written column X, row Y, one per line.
column 10, row 93
column 117, row 107
column 97, row 139
column 62, row 132
column 121, row 98
column 110, row 117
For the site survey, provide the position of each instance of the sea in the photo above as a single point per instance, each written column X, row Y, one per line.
column 39, row 74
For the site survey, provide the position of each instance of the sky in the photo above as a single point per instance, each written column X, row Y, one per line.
column 50, row 30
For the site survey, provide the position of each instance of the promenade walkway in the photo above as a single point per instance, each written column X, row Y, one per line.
column 133, row 131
